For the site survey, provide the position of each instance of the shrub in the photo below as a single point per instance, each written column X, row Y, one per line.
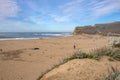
column 116, row 45
column 114, row 42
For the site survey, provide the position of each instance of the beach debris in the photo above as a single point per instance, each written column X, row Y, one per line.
column 35, row 48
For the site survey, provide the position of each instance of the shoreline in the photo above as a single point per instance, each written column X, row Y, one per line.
column 32, row 35
column 33, row 38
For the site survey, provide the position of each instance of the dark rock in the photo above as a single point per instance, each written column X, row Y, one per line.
column 35, row 48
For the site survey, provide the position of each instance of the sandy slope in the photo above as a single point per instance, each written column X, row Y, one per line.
column 82, row 69
column 19, row 60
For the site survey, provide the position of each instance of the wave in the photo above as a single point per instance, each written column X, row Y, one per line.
column 52, row 34
column 17, row 38
column 31, row 35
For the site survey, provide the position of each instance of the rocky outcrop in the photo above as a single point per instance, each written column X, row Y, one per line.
column 99, row 29
column 85, row 29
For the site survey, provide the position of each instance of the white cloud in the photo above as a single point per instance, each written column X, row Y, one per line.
column 17, row 26
column 58, row 18
column 34, row 19
column 90, row 9
column 8, row 8
column 71, row 6
column 38, row 6
column 106, row 7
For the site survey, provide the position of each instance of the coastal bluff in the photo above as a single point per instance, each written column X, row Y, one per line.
column 107, row 28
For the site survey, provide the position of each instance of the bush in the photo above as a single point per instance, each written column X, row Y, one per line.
column 114, row 42
column 116, row 45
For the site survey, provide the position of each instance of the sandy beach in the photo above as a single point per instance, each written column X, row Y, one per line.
column 28, row 59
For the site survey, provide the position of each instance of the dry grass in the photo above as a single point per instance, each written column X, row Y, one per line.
column 114, row 74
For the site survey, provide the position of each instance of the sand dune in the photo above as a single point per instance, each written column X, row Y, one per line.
column 82, row 69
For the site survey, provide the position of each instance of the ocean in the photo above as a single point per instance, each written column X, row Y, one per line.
column 31, row 35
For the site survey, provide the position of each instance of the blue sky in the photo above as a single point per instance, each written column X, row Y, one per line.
column 55, row 15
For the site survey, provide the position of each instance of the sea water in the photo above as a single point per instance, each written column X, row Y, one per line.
column 31, row 35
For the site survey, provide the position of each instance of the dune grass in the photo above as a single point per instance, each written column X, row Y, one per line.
column 114, row 74
column 117, row 45
column 114, row 54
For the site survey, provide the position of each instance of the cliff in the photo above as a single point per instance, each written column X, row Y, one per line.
column 98, row 29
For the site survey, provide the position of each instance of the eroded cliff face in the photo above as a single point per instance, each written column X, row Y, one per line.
column 98, row 29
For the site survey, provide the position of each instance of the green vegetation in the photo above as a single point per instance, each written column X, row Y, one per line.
column 114, row 42
column 116, row 45
column 84, row 30
column 77, row 30
column 82, row 55
column 113, row 54
column 113, row 75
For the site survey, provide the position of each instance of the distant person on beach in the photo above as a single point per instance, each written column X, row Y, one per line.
column 74, row 46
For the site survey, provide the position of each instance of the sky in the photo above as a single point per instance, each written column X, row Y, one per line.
column 55, row 15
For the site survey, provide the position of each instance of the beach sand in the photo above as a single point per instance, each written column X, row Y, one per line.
column 28, row 59
column 83, row 69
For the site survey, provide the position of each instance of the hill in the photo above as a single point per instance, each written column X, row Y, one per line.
column 113, row 28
